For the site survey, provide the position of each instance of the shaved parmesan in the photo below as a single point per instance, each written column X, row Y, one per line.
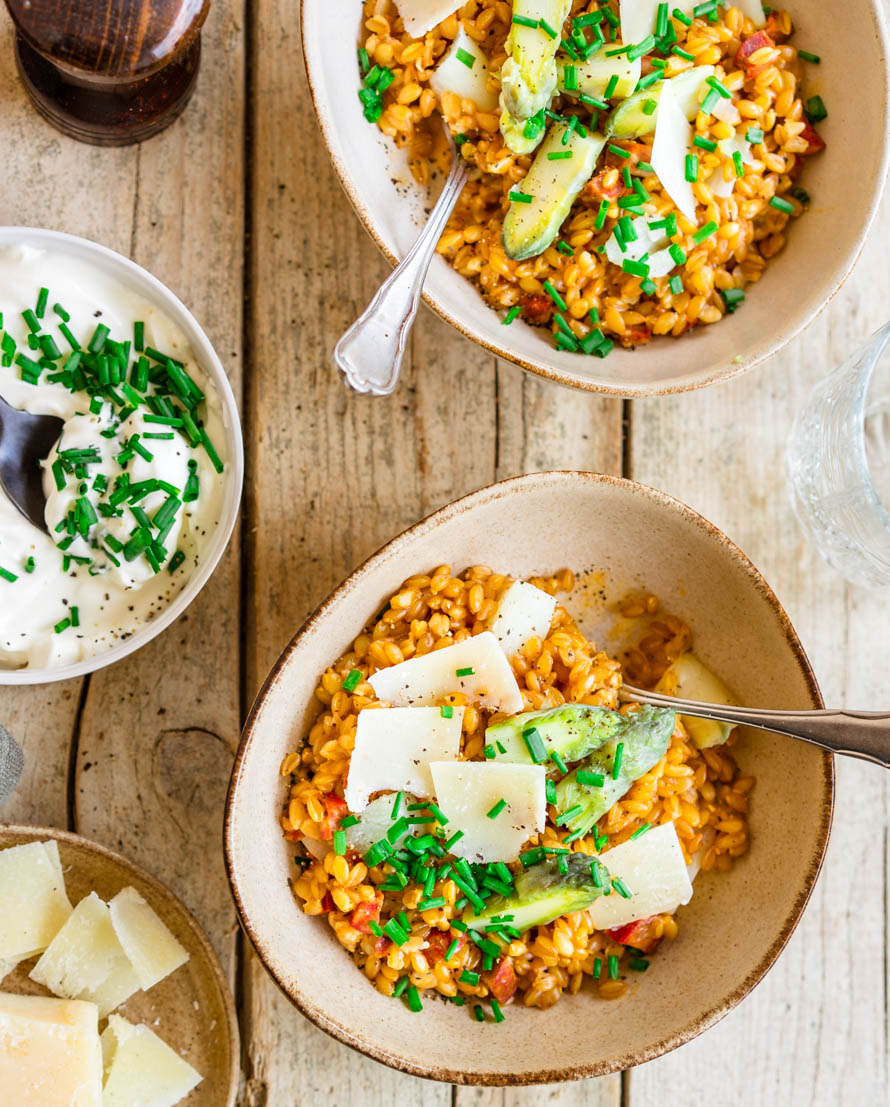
column 35, row 905
column 86, row 961
column 49, row 1053
column 673, row 138
column 638, row 17
column 141, row 1070
column 420, row 16
column 524, row 612
column 6, row 967
column 753, row 10
column 653, row 870
column 689, row 87
column 393, row 749
column 646, row 241
column 468, row 791
column 469, row 82
column 726, row 111
column 377, row 819
column 150, row 947
column 476, row 667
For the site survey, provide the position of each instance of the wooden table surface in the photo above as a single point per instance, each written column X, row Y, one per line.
column 238, row 211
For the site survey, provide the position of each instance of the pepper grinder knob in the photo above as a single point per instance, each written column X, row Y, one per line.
column 109, row 72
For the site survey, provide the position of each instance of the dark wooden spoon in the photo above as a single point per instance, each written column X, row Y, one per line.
column 25, row 441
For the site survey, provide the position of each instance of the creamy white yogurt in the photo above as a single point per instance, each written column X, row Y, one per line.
column 92, row 581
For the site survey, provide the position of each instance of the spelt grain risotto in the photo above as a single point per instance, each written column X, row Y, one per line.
column 635, row 162
column 477, row 817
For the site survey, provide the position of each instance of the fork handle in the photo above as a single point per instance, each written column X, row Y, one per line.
column 370, row 352
column 862, row 734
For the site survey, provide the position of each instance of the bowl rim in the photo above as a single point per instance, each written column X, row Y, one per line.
column 499, row 490
column 109, row 261
column 731, row 367
column 165, row 894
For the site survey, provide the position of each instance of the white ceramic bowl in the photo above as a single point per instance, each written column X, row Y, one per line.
column 845, row 183
column 142, row 282
column 619, row 537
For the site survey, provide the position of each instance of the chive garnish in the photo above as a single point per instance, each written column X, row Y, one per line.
column 519, row 197
column 352, row 681
column 616, row 764
column 613, row 967
column 535, row 745
column 596, row 780
column 464, row 672
column 339, row 842
column 704, row 143
column 524, row 21
column 396, row 805
column 511, row 314
column 704, row 232
column 609, row 90
column 466, row 57
column 782, row 205
column 497, row 809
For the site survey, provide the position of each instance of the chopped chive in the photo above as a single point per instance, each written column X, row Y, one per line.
column 396, row 805
column 467, row 977
column 710, row 101
column 431, row 904
column 497, row 809
column 808, row 57
column 635, row 268
column 478, row 1013
column 524, row 21
column 452, row 949
column 618, row 151
column 593, row 102
column 649, row 107
column 616, row 764
column 732, row 297
column 704, row 232
column 640, row 831
column 675, row 284
column 454, row 839
column 7, row 575
column 559, row 155
column 350, row 820
column 565, row 249
column 98, row 340
column 609, row 90
column 567, row 816
column 641, row 48
column 691, row 172
column 340, row 842
column 466, row 57
column 677, row 253
column 511, row 314
column 446, row 711
column 613, row 967
column 437, row 814
column 620, row 887
column 535, row 745
column 352, row 681
column 815, row 109
column 488, row 752
column 737, row 164
column 638, row 964
column 414, row 1003
column 719, row 86
column 62, row 313
column 546, row 28
column 63, row 624
column 681, row 53
column 554, row 295
column 596, row 780
column 558, row 761
column 754, row 135
column 681, row 17
column 30, row 565
column 600, row 220
column 464, row 672
column 782, row 205
column 704, row 143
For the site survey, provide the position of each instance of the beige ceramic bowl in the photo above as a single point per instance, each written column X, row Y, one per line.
column 192, row 1008
column 618, row 536
column 845, row 183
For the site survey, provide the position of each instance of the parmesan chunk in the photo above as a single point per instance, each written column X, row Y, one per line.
column 653, row 870
column 393, row 749
column 86, row 961
column 486, row 679
column 524, row 612
column 467, row 791
column 673, row 139
column 32, row 894
column 420, row 16
column 141, row 1070
column 49, row 1053
column 150, row 947
column 469, row 82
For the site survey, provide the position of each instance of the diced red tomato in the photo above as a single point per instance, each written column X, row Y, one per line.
column 383, row 944
column 815, row 142
column 335, row 809
column 599, row 190
column 502, row 980
column 639, row 151
column 637, row 934
column 438, row 942
column 749, row 46
column 636, row 336
column 537, row 308
column 366, row 913
column 327, row 904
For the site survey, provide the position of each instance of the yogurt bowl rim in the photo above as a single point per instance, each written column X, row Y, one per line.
column 139, row 279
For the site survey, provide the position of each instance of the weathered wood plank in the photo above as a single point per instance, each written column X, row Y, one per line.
column 722, row 451
column 159, row 730
column 50, row 181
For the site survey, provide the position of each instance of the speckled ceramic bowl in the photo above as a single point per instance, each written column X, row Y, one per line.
column 618, row 536
column 822, row 246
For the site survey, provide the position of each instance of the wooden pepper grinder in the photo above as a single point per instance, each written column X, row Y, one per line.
column 109, row 72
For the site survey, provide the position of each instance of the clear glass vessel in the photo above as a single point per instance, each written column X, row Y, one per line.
column 839, row 464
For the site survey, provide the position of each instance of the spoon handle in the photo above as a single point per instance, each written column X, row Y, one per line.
column 863, row 734
column 370, row 353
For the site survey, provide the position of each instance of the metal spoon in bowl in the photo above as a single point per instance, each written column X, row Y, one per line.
column 370, row 353
column 25, row 441
column 863, row 734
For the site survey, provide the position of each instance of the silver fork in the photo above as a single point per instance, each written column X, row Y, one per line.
column 862, row 734
column 370, row 353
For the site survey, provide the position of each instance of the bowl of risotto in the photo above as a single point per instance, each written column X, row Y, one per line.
column 659, row 195
column 472, row 841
